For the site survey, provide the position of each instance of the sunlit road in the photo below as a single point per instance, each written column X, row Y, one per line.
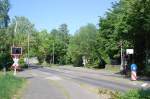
column 67, row 83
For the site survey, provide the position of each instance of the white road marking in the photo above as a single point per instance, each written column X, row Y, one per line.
column 33, row 74
column 67, row 71
column 134, row 83
column 144, row 85
column 53, row 78
column 45, row 73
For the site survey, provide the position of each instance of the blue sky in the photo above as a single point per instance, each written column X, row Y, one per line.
column 49, row 14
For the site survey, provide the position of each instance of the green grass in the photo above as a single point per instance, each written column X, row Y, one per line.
column 113, row 68
column 10, row 86
column 136, row 94
column 131, row 94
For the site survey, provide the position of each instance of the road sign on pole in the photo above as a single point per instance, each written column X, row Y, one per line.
column 129, row 51
column 133, row 72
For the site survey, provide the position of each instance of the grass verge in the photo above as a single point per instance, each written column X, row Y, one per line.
column 113, row 68
column 131, row 94
column 136, row 94
column 110, row 94
column 10, row 86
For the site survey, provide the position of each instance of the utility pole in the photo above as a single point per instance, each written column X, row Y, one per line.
column 15, row 30
column 121, row 66
column 28, row 49
column 53, row 54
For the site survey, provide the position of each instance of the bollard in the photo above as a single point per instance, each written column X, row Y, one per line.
column 133, row 72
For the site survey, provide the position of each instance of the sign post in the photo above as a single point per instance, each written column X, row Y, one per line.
column 133, row 65
column 133, row 72
column 16, row 52
column 15, row 64
column 84, row 61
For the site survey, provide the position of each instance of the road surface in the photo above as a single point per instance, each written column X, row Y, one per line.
column 73, row 83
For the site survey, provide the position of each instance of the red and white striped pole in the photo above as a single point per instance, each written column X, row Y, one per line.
column 133, row 75
column 133, row 72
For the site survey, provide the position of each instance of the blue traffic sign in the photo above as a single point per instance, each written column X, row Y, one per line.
column 133, row 67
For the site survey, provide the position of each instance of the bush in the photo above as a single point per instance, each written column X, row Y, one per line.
column 102, row 63
column 41, row 59
column 21, row 62
column 147, row 70
column 5, row 60
column 78, row 61
column 137, row 94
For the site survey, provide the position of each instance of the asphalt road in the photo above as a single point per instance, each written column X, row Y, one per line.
column 65, row 83
column 101, row 79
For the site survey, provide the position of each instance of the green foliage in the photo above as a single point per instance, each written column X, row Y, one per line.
column 131, row 94
column 83, row 44
column 21, row 62
column 113, row 29
column 78, row 61
column 127, row 22
column 4, row 9
column 9, row 86
column 19, row 30
column 5, row 59
column 136, row 94
column 54, row 43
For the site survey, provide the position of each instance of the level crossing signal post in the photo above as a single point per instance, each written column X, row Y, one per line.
column 16, row 52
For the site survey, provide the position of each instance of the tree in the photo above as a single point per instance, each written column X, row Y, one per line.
column 61, row 40
column 19, row 30
column 127, row 21
column 5, row 59
column 83, row 44
column 42, row 47
column 4, row 9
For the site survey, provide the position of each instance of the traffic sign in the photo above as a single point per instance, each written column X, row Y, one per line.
column 129, row 51
column 15, row 64
column 133, row 67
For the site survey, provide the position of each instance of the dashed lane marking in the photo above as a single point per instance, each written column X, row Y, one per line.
column 54, row 78
column 33, row 74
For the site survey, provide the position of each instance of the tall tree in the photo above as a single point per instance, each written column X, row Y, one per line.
column 4, row 9
column 127, row 21
column 83, row 44
column 61, row 41
column 5, row 58
column 19, row 30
